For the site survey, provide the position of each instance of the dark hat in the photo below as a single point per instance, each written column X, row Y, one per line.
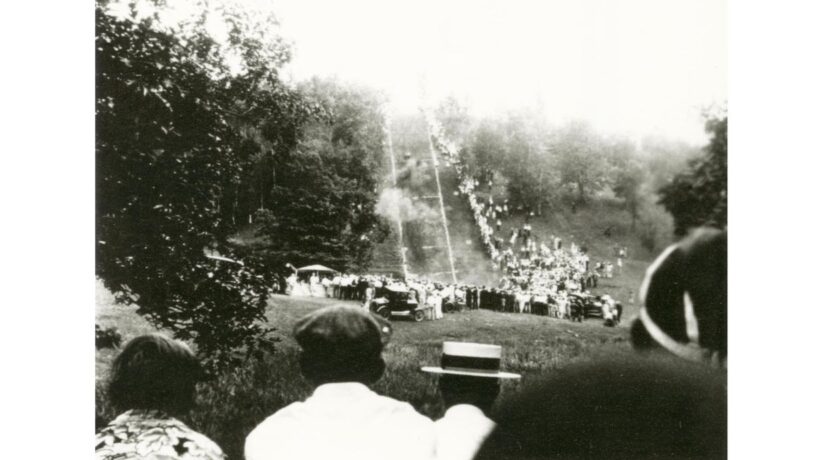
column 684, row 299
column 344, row 330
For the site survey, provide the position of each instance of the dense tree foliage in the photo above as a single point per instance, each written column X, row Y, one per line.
column 698, row 196
column 454, row 119
column 581, row 159
column 323, row 210
column 628, row 177
column 191, row 130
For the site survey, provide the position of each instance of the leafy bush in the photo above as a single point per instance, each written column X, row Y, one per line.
column 107, row 338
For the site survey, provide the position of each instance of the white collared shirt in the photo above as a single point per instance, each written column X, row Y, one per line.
column 343, row 421
column 461, row 432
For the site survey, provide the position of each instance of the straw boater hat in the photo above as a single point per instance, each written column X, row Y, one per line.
column 471, row 359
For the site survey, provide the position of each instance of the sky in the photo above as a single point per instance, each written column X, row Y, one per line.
column 635, row 68
column 631, row 67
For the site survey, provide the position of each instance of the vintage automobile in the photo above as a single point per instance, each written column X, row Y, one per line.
column 398, row 302
column 584, row 306
column 454, row 303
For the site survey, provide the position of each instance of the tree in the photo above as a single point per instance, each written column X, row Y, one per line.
column 698, row 196
column 526, row 162
column 323, row 211
column 579, row 159
column 485, row 151
column 454, row 118
column 170, row 152
column 628, row 176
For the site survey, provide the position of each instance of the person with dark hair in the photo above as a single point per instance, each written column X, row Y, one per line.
column 684, row 300
column 616, row 408
column 469, row 383
column 153, row 380
column 341, row 353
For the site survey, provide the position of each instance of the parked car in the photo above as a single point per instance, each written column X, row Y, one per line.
column 454, row 304
column 398, row 302
column 584, row 306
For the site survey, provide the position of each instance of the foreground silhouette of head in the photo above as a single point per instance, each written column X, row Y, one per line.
column 155, row 372
column 341, row 344
column 684, row 300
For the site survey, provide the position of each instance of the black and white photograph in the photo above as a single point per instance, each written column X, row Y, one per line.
column 395, row 230
column 410, row 230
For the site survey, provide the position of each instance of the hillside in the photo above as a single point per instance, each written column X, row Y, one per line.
column 601, row 226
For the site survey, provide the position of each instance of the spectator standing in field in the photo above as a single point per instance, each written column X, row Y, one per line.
column 327, row 286
column 435, row 301
column 341, row 349
column 336, row 286
column 345, row 283
column 153, row 381
column 469, row 383
column 619, row 310
column 608, row 310
column 368, row 296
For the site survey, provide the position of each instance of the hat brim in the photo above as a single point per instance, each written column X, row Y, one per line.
column 497, row 375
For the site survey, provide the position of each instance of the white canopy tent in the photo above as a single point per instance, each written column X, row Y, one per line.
column 316, row 268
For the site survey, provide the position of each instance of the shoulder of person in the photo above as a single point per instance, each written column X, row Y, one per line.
column 273, row 422
column 404, row 409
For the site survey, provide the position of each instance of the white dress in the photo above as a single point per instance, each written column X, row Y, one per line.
column 435, row 302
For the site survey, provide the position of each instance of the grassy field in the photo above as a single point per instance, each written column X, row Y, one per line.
column 230, row 406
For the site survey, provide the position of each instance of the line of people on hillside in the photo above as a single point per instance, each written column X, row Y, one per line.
column 531, row 268
column 667, row 401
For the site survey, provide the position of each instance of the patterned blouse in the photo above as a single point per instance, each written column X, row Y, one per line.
column 148, row 434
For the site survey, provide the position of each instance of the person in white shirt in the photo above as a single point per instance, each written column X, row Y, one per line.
column 469, row 383
column 341, row 350
column 608, row 308
column 327, row 286
column 436, row 302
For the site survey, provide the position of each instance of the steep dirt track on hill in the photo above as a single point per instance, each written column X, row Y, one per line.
column 423, row 234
